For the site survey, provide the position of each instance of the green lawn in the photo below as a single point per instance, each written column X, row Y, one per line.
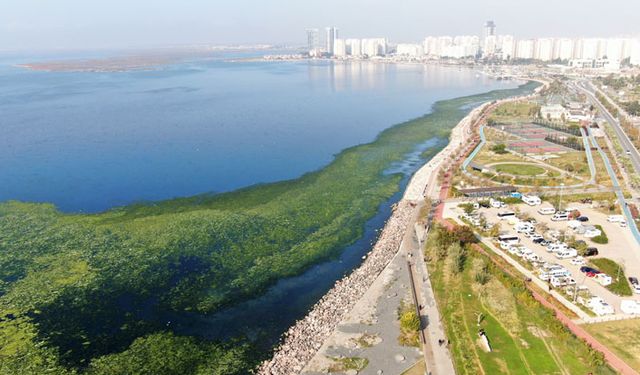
column 621, row 337
column 620, row 285
column 520, row 169
column 524, row 336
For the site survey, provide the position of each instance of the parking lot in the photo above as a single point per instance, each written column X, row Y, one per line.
column 621, row 247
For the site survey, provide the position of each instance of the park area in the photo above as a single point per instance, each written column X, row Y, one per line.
column 523, row 337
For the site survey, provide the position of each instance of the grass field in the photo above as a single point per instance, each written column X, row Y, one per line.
column 524, row 336
column 621, row 285
column 515, row 111
column 621, row 337
column 520, row 169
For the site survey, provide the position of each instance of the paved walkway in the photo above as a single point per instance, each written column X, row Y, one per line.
column 618, row 190
column 438, row 357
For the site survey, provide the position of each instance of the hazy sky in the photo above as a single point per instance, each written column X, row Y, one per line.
column 54, row 24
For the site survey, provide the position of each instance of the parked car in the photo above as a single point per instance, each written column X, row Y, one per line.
column 582, row 218
column 577, row 261
column 590, row 251
column 588, row 270
column 633, row 280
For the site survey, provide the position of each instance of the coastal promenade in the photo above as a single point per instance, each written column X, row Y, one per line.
column 303, row 341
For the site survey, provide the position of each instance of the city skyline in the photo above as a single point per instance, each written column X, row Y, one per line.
column 73, row 24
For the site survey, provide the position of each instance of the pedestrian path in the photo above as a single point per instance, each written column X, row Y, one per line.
column 618, row 191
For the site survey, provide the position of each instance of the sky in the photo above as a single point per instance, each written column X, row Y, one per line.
column 99, row 24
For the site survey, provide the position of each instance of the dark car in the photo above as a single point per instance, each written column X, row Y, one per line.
column 591, row 251
column 582, row 218
column 538, row 240
column 586, row 269
column 590, row 272
column 633, row 280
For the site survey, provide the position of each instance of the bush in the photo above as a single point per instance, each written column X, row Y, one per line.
column 410, row 321
column 500, row 148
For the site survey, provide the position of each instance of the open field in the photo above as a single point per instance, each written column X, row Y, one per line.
column 525, row 337
column 515, row 111
column 621, row 337
column 520, row 169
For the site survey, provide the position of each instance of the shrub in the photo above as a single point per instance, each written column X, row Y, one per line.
column 500, row 148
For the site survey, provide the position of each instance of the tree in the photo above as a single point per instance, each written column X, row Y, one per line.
column 500, row 148
column 464, row 235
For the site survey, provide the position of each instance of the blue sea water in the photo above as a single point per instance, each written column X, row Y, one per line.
column 91, row 141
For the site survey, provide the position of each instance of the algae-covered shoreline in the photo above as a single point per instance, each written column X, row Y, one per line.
column 84, row 292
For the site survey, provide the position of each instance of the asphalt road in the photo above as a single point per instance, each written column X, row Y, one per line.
column 622, row 136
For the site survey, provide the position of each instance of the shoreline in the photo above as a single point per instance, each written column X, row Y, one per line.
column 303, row 341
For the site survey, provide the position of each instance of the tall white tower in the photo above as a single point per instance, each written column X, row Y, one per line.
column 332, row 35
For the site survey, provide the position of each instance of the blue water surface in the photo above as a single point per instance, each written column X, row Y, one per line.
column 91, row 141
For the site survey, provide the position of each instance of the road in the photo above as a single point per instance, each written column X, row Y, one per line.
column 633, row 153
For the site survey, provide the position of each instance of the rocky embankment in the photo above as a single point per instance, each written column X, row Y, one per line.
column 303, row 340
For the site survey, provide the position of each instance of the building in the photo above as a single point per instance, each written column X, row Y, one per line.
column 487, row 191
column 489, row 29
column 313, row 41
column 374, row 47
column 340, row 48
column 591, row 48
column 554, row 112
column 564, row 49
column 508, row 47
column 525, row 49
column 544, row 49
column 634, row 51
column 411, row 50
column 332, row 35
column 353, row 47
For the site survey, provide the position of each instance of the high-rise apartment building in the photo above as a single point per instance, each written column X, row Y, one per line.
column 339, row 48
column 525, row 49
column 489, row 29
column 353, row 47
column 544, row 49
column 332, row 35
column 508, row 47
column 313, row 40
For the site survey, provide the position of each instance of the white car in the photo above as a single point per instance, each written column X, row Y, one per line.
column 623, row 224
column 636, row 288
column 577, row 261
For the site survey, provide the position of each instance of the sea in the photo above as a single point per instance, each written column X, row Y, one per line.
column 91, row 141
